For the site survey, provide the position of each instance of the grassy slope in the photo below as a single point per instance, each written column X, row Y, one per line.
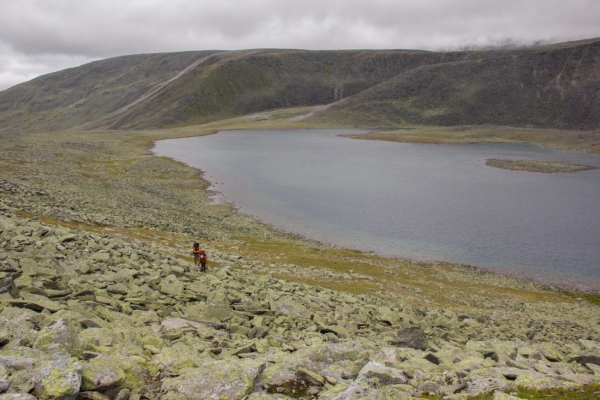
column 544, row 87
column 75, row 96
column 245, row 82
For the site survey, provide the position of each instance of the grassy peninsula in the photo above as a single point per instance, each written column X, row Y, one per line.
column 572, row 140
column 535, row 166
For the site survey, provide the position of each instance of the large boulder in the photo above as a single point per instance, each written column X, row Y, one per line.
column 101, row 373
column 54, row 375
column 384, row 375
column 413, row 337
column 227, row 379
column 170, row 285
column 368, row 384
column 178, row 359
column 288, row 306
column 7, row 285
column 60, row 377
column 62, row 332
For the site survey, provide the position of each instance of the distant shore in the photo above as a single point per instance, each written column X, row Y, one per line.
column 571, row 140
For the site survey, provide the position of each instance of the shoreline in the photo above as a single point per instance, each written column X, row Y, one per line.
column 567, row 140
column 549, row 284
column 577, row 285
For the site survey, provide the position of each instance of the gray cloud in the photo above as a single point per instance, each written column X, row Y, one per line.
column 40, row 36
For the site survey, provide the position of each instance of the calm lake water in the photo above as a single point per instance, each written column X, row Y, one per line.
column 416, row 201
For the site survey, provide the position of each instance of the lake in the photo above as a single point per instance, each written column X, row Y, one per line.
column 422, row 202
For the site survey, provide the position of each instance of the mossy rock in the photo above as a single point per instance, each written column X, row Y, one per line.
column 101, row 374
column 227, row 379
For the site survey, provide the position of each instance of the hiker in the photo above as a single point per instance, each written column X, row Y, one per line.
column 203, row 261
column 199, row 257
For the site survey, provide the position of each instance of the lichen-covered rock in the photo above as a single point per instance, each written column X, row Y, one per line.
column 551, row 352
column 538, row 381
column 384, row 375
column 215, row 312
column 17, row 396
column 486, row 383
column 178, row 359
column 220, row 379
column 366, row 388
column 504, row 396
column 413, row 337
column 287, row 305
column 101, row 373
column 3, row 378
column 62, row 332
column 170, row 285
column 48, row 375
column 60, row 377
column 37, row 303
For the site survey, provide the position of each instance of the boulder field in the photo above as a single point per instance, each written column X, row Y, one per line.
column 88, row 316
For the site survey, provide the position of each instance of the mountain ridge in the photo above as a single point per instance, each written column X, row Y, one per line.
column 551, row 86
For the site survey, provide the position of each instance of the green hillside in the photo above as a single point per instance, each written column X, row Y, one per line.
column 550, row 87
column 545, row 87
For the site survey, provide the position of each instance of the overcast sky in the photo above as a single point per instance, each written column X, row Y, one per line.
column 42, row 36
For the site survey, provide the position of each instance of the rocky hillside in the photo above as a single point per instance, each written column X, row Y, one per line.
column 553, row 86
column 97, row 317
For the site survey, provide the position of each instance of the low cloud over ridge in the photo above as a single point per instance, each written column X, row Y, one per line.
column 38, row 37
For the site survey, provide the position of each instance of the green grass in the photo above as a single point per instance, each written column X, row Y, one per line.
column 588, row 142
column 592, row 298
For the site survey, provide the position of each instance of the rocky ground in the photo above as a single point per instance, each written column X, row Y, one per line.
column 99, row 298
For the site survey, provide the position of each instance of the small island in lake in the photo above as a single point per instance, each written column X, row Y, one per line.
column 535, row 166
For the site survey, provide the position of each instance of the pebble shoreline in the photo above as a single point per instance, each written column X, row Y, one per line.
column 101, row 315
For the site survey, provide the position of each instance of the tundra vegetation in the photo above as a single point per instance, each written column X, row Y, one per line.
column 99, row 298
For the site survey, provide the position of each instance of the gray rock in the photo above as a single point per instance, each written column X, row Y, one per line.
column 413, row 337
column 586, row 360
column 59, row 377
column 17, row 396
column 60, row 333
column 171, row 286
column 7, row 285
column 287, row 305
column 384, row 375
column 101, row 374
column 310, row 377
column 68, row 238
column 220, row 379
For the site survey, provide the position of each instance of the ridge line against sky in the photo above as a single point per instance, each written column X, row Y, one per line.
column 43, row 36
